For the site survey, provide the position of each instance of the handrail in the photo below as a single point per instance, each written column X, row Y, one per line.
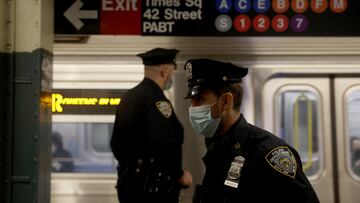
column 309, row 163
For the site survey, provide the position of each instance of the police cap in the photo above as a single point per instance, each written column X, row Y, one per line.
column 158, row 56
column 204, row 74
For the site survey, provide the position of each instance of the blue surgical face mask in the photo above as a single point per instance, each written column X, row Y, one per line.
column 170, row 79
column 201, row 120
column 168, row 84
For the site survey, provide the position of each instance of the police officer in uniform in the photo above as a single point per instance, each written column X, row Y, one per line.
column 243, row 163
column 147, row 136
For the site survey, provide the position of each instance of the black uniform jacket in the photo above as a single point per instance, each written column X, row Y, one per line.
column 147, row 128
column 272, row 171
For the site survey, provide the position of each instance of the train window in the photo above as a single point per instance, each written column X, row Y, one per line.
column 100, row 138
column 297, row 109
column 353, row 129
column 82, row 148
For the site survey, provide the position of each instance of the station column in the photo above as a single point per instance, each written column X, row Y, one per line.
column 26, row 44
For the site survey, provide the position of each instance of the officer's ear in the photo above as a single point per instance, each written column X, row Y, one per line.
column 227, row 101
column 164, row 70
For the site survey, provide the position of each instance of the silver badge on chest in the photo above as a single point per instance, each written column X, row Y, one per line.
column 233, row 175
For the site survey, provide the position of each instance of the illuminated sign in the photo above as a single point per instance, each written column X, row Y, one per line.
column 208, row 18
column 86, row 101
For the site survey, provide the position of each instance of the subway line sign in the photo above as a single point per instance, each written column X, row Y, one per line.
column 208, row 17
column 70, row 101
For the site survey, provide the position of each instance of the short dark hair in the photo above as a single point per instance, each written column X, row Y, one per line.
column 57, row 140
column 235, row 89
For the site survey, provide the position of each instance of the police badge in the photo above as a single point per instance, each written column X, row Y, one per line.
column 282, row 160
column 165, row 108
column 233, row 175
column 188, row 71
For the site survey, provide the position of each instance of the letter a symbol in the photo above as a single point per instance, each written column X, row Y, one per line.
column 224, row 5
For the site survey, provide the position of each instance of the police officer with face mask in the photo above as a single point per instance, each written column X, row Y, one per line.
column 147, row 137
column 243, row 163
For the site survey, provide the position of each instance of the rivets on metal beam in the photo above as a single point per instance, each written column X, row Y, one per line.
column 8, row 23
column 8, row 46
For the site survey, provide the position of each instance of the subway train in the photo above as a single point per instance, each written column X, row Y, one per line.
column 304, row 90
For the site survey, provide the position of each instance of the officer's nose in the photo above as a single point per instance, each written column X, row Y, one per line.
column 195, row 102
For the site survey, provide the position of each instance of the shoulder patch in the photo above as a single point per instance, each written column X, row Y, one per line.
column 165, row 108
column 282, row 160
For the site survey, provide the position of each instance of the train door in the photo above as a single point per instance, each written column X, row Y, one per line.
column 347, row 105
column 301, row 111
column 298, row 111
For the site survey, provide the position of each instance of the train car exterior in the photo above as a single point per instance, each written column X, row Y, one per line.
column 304, row 90
column 303, row 85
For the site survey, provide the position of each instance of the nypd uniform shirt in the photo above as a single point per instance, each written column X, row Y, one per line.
column 146, row 127
column 249, row 164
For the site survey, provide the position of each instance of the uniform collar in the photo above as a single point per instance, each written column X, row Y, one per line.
column 241, row 133
column 149, row 82
column 235, row 138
